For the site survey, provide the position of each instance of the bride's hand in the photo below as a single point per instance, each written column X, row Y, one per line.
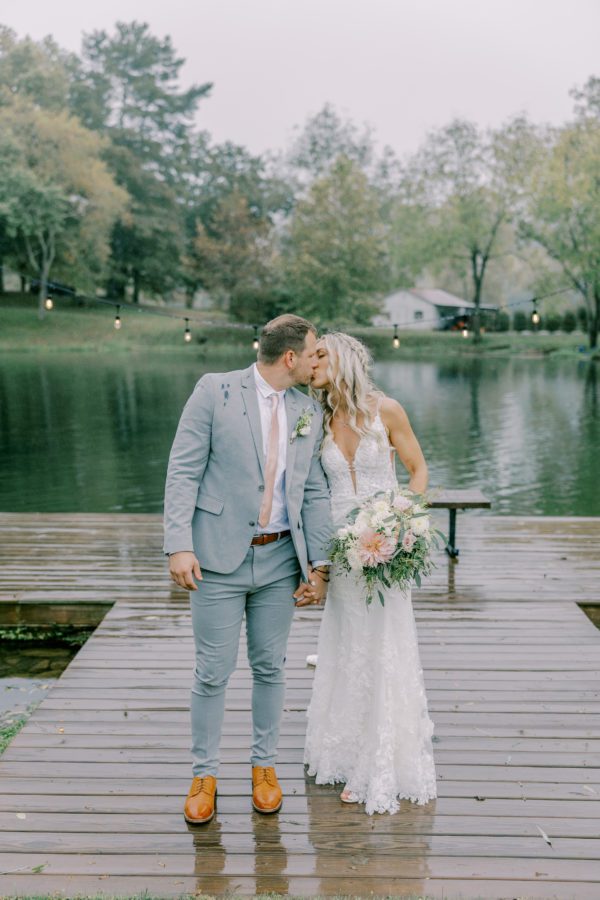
column 316, row 589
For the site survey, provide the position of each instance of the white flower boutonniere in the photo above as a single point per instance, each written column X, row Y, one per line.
column 303, row 425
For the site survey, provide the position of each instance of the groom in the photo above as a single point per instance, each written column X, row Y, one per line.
column 247, row 524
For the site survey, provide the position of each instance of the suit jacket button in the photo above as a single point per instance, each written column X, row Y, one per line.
column 252, row 524
column 261, row 487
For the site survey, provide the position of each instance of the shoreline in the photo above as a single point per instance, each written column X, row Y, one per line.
column 91, row 331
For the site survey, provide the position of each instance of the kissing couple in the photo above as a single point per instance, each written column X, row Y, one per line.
column 260, row 477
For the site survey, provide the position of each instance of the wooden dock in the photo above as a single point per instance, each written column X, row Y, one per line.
column 91, row 790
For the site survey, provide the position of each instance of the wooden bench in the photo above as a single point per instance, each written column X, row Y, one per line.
column 471, row 498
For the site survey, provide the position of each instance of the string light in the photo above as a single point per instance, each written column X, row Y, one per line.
column 49, row 305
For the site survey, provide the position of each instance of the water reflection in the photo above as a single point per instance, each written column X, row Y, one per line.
column 378, row 849
column 90, row 433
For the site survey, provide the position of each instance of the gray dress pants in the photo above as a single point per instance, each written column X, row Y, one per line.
column 262, row 589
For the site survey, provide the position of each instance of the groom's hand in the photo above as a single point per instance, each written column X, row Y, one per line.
column 313, row 592
column 183, row 566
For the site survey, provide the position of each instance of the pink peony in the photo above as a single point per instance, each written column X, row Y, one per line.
column 375, row 548
column 408, row 541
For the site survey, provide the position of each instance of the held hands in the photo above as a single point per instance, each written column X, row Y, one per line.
column 183, row 566
column 316, row 589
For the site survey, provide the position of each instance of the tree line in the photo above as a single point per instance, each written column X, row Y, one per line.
column 108, row 184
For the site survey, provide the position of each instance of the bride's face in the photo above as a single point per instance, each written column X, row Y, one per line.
column 320, row 378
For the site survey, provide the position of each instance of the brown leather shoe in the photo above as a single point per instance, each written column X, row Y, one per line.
column 266, row 793
column 201, row 800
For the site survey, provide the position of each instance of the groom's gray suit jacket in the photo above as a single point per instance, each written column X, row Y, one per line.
column 215, row 478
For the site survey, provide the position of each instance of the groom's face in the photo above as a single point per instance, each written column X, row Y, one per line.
column 303, row 367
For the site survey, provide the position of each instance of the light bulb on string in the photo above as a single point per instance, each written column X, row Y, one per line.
column 49, row 303
column 255, row 341
column 535, row 316
column 187, row 335
column 395, row 339
column 118, row 318
column 465, row 332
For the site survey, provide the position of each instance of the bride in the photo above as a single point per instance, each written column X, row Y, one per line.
column 368, row 724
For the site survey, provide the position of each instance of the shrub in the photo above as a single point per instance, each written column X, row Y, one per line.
column 520, row 322
column 569, row 321
column 552, row 322
column 502, row 321
column 582, row 318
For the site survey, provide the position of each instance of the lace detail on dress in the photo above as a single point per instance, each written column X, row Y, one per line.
column 368, row 723
column 373, row 468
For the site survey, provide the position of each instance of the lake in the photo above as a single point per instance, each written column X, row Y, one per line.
column 92, row 432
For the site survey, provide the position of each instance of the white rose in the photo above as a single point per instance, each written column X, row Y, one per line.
column 378, row 521
column 382, row 507
column 354, row 559
column 344, row 531
column 420, row 525
column 304, row 430
column 361, row 522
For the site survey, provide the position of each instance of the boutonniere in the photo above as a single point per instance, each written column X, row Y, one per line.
column 303, row 425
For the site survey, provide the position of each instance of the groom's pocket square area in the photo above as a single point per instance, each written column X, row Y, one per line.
column 210, row 504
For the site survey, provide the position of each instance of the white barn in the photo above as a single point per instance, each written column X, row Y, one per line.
column 429, row 309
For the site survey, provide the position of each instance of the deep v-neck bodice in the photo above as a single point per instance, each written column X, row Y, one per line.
column 371, row 466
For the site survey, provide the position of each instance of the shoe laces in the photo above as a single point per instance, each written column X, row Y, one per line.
column 197, row 785
column 267, row 775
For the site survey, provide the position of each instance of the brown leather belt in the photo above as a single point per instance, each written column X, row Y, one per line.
column 269, row 538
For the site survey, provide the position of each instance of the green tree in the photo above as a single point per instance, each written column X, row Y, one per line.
column 224, row 181
column 147, row 244
column 39, row 72
column 334, row 258
column 234, row 256
column 57, row 198
column 587, row 99
column 466, row 189
column 127, row 87
column 324, row 138
column 563, row 209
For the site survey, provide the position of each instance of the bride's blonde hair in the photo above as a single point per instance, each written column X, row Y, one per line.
column 350, row 389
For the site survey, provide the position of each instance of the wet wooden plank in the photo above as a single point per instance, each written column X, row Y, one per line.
column 512, row 668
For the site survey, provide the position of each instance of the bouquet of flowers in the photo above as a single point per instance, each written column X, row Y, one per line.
column 387, row 541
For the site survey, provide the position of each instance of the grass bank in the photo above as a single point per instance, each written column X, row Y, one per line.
column 92, row 330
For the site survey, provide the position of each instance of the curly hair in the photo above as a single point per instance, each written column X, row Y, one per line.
column 350, row 386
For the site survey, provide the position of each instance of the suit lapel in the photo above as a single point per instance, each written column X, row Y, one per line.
column 252, row 412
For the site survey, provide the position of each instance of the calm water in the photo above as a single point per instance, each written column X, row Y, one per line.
column 86, row 433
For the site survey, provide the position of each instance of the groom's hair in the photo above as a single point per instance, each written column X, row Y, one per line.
column 284, row 333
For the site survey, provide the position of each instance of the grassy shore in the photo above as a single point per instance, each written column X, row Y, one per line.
column 91, row 330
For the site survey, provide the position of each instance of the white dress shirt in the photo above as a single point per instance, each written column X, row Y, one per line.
column 279, row 520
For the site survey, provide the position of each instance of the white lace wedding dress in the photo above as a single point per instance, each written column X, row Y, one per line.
column 368, row 723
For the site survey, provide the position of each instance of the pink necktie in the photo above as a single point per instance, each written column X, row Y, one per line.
column 271, row 464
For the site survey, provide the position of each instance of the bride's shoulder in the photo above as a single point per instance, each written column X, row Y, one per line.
column 392, row 413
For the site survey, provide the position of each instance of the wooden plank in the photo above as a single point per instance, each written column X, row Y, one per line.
column 512, row 667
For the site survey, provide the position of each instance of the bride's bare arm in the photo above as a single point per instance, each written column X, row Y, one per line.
column 403, row 439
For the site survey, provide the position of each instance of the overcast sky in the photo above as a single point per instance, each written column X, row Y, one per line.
column 403, row 66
